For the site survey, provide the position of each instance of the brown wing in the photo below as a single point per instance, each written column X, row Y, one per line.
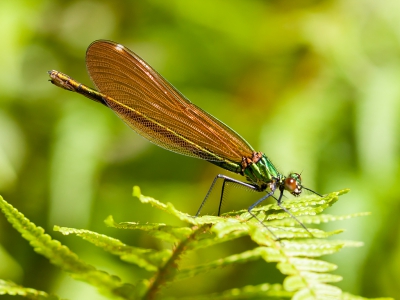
column 152, row 107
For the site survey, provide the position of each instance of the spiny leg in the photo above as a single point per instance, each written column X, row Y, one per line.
column 234, row 181
column 225, row 180
column 271, row 193
column 279, row 202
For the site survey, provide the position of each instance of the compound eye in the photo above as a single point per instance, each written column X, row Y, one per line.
column 293, row 184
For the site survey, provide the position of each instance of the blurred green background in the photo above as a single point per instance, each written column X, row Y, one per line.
column 313, row 84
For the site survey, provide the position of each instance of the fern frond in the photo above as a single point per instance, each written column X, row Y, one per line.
column 295, row 253
column 145, row 258
column 61, row 256
column 12, row 289
column 158, row 230
column 249, row 292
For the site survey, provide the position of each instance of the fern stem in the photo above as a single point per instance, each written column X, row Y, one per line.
column 167, row 273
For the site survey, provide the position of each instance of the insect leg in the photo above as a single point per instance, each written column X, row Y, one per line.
column 225, row 179
column 271, row 193
column 279, row 202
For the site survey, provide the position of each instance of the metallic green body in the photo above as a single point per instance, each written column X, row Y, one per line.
column 262, row 173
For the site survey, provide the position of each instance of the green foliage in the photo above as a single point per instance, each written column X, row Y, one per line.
column 63, row 257
column 10, row 288
column 295, row 252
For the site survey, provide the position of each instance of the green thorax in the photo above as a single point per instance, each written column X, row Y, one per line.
column 260, row 171
column 257, row 169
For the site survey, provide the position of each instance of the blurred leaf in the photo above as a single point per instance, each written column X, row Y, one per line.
column 12, row 289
